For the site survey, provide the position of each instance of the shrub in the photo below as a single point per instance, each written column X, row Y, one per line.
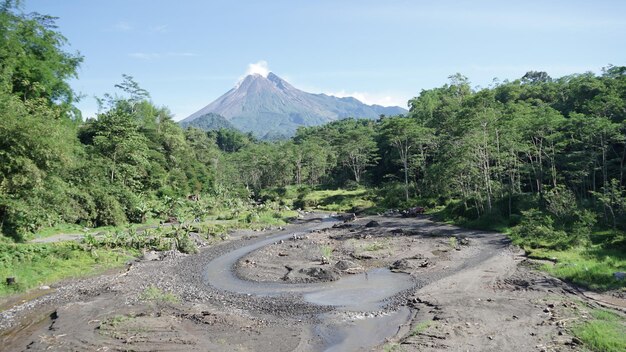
column 152, row 293
column 185, row 244
column 109, row 211
column 537, row 230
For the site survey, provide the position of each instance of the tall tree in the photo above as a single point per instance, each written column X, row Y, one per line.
column 411, row 140
column 33, row 60
column 357, row 147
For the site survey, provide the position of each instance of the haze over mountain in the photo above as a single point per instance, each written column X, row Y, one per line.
column 270, row 107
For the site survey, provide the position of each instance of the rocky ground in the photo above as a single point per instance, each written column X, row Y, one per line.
column 472, row 291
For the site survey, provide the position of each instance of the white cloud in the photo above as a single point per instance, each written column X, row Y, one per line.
column 145, row 56
column 181, row 54
column 159, row 29
column 383, row 99
column 260, row 68
column 122, row 27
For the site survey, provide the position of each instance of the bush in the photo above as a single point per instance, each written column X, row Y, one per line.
column 392, row 195
column 109, row 211
column 13, row 219
column 84, row 207
column 185, row 244
column 537, row 230
column 252, row 217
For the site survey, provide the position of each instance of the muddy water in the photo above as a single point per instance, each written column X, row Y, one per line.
column 356, row 323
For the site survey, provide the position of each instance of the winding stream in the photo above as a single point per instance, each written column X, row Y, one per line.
column 352, row 325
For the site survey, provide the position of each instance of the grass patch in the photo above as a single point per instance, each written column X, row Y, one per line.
column 605, row 315
column 326, row 252
column 392, row 347
column 121, row 326
column 263, row 218
column 589, row 267
column 58, row 229
column 37, row 264
column 375, row 246
column 603, row 334
column 78, row 229
column 115, row 321
column 155, row 294
column 339, row 200
column 420, row 328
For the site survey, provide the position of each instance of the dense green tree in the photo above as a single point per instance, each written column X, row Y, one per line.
column 33, row 60
column 117, row 138
column 412, row 142
column 356, row 147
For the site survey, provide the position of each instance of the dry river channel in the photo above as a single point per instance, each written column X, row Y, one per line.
column 389, row 283
column 358, row 320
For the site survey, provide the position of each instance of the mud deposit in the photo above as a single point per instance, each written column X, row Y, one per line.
column 318, row 285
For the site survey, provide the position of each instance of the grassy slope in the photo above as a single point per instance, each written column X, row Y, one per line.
column 590, row 267
column 36, row 264
column 603, row 333
column 339, row 200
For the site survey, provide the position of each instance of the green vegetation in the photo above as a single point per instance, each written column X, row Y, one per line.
column 120, row 326
column 320, row 198
column 454, row 243
column 33, row 265
column 154, row 294
column 420, row 328
column 326, row 252
column 338, row 200
column 603, row 333
column 115, row 321
column 592, row 267
column 392, row 347
column 375, row 246
column 59, row 229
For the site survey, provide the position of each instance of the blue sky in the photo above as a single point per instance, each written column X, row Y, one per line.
column 187, row 53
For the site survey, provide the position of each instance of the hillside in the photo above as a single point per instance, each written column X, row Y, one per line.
column 208, row 122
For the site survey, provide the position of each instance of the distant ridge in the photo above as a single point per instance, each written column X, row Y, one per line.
column 208, row 122
column 270, row 107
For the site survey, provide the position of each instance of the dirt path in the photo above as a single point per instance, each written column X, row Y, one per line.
column 468, row 290
column 59, row 238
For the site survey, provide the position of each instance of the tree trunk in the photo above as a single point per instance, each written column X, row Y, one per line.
column 406, row 178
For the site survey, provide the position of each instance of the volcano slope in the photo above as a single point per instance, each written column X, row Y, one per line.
column 377, row 283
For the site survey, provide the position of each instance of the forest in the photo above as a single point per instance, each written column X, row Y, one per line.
column 540, row 157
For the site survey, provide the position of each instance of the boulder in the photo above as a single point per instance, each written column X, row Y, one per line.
column 344, row 265
column 413, row 212
column 347, row 217
column 151, row 256
column 372, row 224
column 322, row 274
column 399, row 265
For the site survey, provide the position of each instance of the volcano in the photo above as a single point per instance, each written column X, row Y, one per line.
column 271, row 108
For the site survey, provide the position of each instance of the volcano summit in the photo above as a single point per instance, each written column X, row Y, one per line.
column 271, row 108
